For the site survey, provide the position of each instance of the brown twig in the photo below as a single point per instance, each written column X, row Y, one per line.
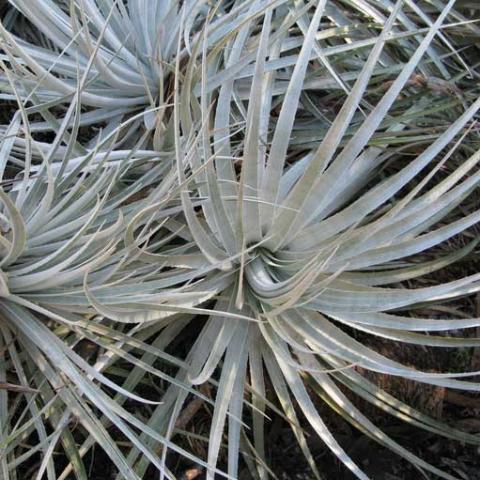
column 190, row 410
column 461, row 400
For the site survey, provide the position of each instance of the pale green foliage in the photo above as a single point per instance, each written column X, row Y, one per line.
column 269, row 192
column 62, row 227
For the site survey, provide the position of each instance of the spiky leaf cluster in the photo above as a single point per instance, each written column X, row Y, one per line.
column 270, row 175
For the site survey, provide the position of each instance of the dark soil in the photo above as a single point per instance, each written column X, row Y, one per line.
column 287, row 462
